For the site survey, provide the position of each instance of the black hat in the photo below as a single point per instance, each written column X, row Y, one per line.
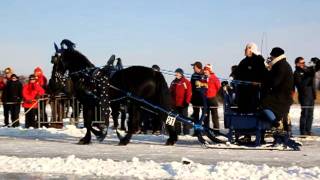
column 155, row 67
column 32, row 76
column 198, row 64
column 14, row 75
column 276, row 52
column 315, row 60
column 179, row 70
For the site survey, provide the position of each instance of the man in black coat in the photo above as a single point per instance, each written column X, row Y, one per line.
column 196, row 99
column 304, row 81
column 253, row 71
column 12, row 96
column 279, row 86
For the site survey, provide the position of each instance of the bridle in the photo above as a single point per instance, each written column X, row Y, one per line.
column 59, row 77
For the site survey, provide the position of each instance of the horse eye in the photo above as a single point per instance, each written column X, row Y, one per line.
column 54, row 59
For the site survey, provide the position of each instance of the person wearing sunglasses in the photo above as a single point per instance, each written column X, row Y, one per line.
column 304, row 81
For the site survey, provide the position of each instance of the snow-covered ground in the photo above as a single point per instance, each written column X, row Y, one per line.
column 153, row 170
column 51, row 152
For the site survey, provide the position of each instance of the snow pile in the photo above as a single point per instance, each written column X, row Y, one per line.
column 67, row 131
column 151, row 169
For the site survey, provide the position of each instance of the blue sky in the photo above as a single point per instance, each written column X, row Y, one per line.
column 170, row 33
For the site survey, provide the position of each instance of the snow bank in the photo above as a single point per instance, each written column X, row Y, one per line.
column 151, row 169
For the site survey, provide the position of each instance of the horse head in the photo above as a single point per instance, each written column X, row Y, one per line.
column 60, row 81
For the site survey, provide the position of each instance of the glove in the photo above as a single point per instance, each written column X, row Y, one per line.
column 224, row 83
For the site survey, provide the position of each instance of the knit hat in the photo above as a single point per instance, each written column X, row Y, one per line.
column 208, row 67
column 276, row 52
column 197, row 64
column 32, row 76
column 253, row 48
column 155, row 67
column 179, row 70
column 14, row 75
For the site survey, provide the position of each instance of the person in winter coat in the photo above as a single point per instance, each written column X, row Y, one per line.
column 2, row 84
column 6, row 108
column 196, row 99
column 181, row 93
column 31, row 92
column 42, row 81
column 12, row 96
column 304, row 81
column 41, row 78
column 253, row 71
column 279, row 87
column 213, row 88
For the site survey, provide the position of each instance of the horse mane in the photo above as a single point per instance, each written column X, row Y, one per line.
column 77, row 59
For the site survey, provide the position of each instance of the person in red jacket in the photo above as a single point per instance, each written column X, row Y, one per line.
column 40, row 77
column 42, row 81
column 31, row 92
column 2, row 84
column 213, row 88
column 181, row 93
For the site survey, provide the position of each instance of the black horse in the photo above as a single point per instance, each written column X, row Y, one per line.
column 93, row 86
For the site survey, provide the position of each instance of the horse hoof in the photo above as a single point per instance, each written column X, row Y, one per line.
column 121, row 143
column 83, row 142
column 170, row 142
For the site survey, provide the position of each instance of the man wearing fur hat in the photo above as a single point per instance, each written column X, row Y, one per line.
column 251, row 69
column 279, row 86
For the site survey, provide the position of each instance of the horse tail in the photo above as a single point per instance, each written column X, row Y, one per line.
column 163, row 91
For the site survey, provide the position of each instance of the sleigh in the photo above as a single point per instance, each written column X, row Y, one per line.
column 237, row 123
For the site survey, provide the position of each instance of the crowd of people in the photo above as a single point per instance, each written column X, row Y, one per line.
column 268, row 86
column 16, row 93
column 265, row 86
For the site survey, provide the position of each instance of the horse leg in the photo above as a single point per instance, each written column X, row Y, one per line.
column 173, row 136
column 105, row 114
column 87, row 115
column 132, row 123
column 115, row 114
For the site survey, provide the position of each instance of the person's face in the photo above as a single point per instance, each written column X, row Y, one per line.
column 196, row 69
column 301, row 63
column 32, row 80
column 8, row 75
column 206, row 72
column 37, row 73
column 178, row 75
column 14, row 79
column 248, row 52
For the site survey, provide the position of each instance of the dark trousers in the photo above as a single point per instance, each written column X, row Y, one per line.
column 306, row 118
column 213, row 111
column 13, row 110
column 31, row 120
column 6, row 114
column 196, row 114
column 178, row 126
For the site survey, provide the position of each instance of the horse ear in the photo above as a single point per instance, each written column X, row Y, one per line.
column 112, row 58
column 56, row 47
